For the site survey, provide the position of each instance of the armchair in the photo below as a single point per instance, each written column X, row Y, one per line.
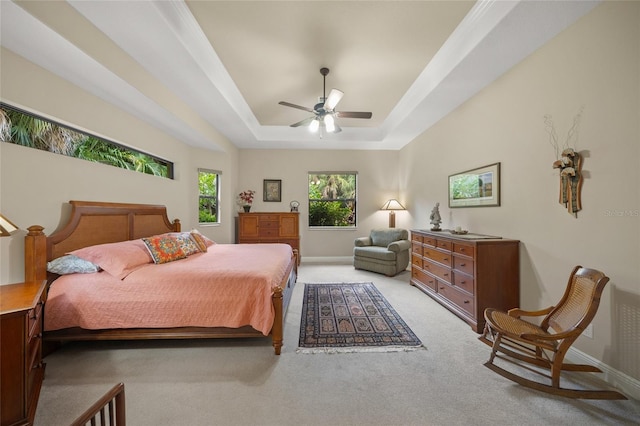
column 385, row 251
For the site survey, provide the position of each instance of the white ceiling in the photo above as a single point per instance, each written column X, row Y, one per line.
column 186, row 66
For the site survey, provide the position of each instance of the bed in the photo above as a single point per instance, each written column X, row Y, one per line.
column 141, row 303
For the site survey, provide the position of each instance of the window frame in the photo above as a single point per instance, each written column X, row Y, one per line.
column 218, row 175
column 161, row 161
column 346, row 200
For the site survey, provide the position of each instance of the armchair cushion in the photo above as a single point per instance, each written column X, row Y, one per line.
column 384, row 237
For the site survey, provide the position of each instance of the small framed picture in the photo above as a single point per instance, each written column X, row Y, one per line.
column 272, row 190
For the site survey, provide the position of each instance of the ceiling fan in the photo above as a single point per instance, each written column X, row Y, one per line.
column 324, row 111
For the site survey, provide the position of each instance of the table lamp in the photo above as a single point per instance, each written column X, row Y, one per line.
column 392, row 205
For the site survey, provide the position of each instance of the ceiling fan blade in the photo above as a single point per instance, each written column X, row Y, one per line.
column 338, row 128
column 353, row 114
column 332, row 100
column 295, row 106
column 304, row 122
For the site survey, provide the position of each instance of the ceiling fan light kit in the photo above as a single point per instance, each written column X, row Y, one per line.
column 324, row 110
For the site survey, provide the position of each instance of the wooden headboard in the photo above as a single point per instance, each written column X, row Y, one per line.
column 93, row 223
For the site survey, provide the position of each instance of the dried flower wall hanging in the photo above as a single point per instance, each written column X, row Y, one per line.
column 569, row 162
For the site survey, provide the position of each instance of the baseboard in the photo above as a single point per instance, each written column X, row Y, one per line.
column 334, row 260
column 627, row 384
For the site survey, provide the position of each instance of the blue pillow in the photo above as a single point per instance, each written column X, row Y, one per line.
column 71, row 264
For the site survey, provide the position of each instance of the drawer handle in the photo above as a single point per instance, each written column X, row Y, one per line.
column 462, row 249
column 446, row 259
column 446, row 275
column 463, row 264
column 441, row 288
column 466, row 301
column 463, row 282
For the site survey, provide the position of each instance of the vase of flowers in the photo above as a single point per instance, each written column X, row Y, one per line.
column 245, row 199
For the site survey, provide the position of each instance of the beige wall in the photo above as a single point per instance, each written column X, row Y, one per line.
column 377, row 182
column 35, row 185
column 595, row 64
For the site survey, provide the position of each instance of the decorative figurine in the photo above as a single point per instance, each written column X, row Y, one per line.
column 436, row 220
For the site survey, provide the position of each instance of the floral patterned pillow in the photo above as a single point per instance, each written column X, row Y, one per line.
column 187, row 245
column 164, row 248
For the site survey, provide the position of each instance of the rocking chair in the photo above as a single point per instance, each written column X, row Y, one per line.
column 546, row 345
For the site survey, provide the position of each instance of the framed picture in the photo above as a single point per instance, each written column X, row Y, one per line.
column 272, row 190
column 475, row 188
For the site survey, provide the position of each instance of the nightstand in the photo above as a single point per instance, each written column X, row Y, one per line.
column 21, row 366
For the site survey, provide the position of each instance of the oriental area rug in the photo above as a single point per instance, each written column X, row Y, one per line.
column 351, row 317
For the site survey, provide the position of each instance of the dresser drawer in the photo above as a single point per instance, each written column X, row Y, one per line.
column 438, row 256
column 269, row 218
column 457, row 297
column 464, row 249
column 269, row 224
column 33, row 344
column 444, row 244
column 34, row 318
column 463, row 264
column 437, row 270
column 416, row 238
column 430, row 241
column 416, row 261
column 416, row 248
column 268, row 232
column 464, row 282
column 34, row 380
column 425, row 279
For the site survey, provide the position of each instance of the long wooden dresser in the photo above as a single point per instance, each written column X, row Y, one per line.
column 270, row 227
column 466, row 273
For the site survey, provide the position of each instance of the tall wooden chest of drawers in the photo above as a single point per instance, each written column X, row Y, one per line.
column 270, row 227
column 22, row 369
column 466, row 273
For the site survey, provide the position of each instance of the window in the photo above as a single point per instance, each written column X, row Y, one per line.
column 22, row 128
column 208, row 201
column 332, row 199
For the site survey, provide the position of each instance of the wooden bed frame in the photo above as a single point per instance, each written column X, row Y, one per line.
column 94, row 223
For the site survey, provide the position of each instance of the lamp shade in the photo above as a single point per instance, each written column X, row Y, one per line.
column 392, row 204
column 6, row 227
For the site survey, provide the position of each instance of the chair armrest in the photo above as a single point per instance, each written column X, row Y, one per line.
column 517, row 312
column 398, row 246
column 363, row 242
column 550, row 337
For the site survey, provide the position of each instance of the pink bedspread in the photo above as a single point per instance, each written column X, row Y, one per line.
column 229, row 286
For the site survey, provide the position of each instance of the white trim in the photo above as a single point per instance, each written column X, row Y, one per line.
column 627, row 384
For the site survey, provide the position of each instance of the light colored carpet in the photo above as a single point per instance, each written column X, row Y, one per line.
column 241, row 382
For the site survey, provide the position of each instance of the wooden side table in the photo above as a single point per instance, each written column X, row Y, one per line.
column 21, row 366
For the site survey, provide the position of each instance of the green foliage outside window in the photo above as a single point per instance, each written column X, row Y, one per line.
column 28, row 130
column 332, row 200
column 208, row 184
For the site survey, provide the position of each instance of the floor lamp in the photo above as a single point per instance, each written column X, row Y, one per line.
column 392, row 205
